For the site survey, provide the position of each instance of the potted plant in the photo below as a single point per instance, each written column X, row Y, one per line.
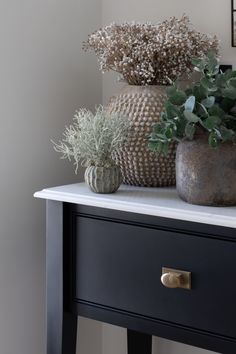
column 92, row 141
column 147, row 57
column 202, row 119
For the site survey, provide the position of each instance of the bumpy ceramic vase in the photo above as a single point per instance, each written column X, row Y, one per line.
column 204, row 175
column 103, row 179
column 139, row 166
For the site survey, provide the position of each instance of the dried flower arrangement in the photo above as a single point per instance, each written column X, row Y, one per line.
column 93, row 138
column 146, row 54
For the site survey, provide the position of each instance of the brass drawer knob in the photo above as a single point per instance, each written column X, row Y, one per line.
column 173, row 278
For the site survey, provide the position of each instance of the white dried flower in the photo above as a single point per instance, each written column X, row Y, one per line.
column 93, row 138
column 150, row 54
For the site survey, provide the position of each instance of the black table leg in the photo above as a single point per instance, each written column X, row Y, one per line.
column 139, row 343
column 61, row 324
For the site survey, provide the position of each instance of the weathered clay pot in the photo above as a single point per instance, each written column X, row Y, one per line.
column 143, row 105
column 103, row 179
column 205, row 175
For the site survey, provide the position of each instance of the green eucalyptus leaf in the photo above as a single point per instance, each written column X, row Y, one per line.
column 191, row 117
column 229, row 74
column 220, row 80
column 227, row 104
column 205, row 82
column 216, row 70
column 180, row 127
column 232, row 82
column 208, row 102
column 165, row 148
column 215, row 110
column 190, row 130
column 218, row 133
column 208, row 84
column 213, row 139
column 201, row 110
column 163, row 116
column 233, row 110
column 196, row 61
column 161, row 147
column 229, row 92
column 171, row 90
column 178, row 98
column 190, row 104
column 157, row 128
column 171, row 110
column 169, row 133
column 227, row 134
column 212, row 122
column 158, row 137
column 200, row 93
column 154, row 146
column 199, row 64
column 213, row 64
column 189, row 91
column 153, row 137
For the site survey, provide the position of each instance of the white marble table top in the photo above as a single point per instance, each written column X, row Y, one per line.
column 163, row 202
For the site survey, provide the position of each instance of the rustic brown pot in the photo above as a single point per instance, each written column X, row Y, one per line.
column 204, row 175
column 139, row 166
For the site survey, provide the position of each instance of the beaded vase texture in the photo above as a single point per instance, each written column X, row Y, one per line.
column 139, row 166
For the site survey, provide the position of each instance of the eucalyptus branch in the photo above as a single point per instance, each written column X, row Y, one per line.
column 208, row 106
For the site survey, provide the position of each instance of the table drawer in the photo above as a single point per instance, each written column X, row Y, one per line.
column 119, row 265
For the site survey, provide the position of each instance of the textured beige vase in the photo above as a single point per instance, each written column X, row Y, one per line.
column 139, row 166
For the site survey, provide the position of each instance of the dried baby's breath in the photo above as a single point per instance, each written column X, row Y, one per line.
column 146, row 54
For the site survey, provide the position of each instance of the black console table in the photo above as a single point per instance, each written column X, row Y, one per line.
column 141, row 259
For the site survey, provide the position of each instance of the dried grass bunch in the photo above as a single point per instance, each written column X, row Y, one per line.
column 146, row 54
column 93, row 138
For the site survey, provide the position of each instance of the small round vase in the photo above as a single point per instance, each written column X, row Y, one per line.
column 103, row 179
column 206, row 175
column 142, row 105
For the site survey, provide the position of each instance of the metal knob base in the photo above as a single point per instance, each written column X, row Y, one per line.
column 173, row 278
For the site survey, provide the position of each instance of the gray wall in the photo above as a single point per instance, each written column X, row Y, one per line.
column 44, row 77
